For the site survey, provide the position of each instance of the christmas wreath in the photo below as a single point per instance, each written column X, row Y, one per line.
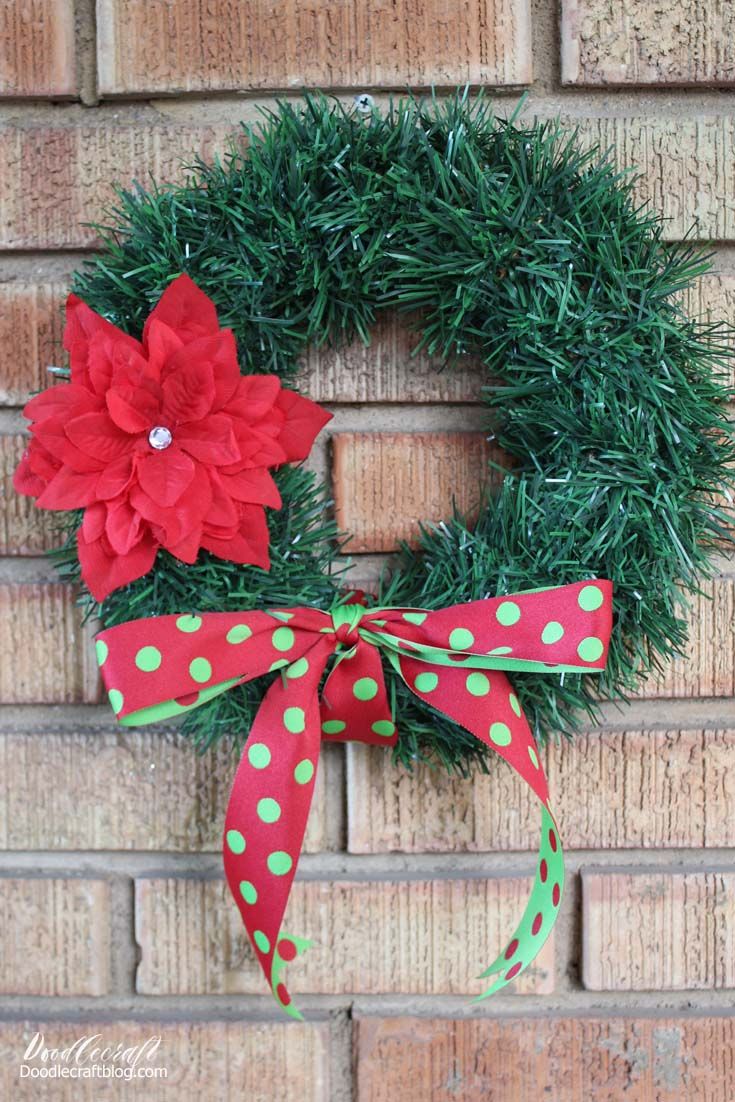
column 168, row 449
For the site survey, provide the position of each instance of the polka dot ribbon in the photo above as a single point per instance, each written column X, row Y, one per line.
column 456, row 659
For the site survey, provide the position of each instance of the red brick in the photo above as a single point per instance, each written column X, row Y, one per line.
column 24, row 529
column 611, row 1059
column 371, row 937
column 37, row 48
column 680, row 162
column 30, row 337
column 389, row 369
column 213, row 1061
column 55, row 178
column 56, row 937
column 159, row 793
column 46, row 655
column 387, row 483
column 610, row 790
column 658, row 931
column 627, row 42
column 193, row 45
column 707, row 667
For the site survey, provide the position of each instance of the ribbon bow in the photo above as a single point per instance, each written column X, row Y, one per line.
column 453, row 659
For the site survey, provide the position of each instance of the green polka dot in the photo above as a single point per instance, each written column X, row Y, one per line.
column 285, row 616
column 533, row 756
column 384, row 728
column 297, row 669
column 238, row 634
column 261, row 941
column 303, row 772
column 477, row 684
column 102, row 650
column 500, row 734
column 235, row 841
column 553, row 632
column 269, row 811
column 248, row 891
column 283, row 638
column 294, row 720
column 461, row 639
column 414, row 617
column 508, row 613
column 513, row 701
column 116, row 700
column 279, row 863
column 200, row 670
column 189, row 623
column 259, row 755
column 426, row 682
column 148, row 659
column 278, row 665
column 590, row 598
column 590, row 649
column 333, row 726
column 365, row 688
column 501, row 650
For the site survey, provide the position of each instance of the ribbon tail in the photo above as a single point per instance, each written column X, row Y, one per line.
column 539, row 916
column 484, row 703
column 268, row 811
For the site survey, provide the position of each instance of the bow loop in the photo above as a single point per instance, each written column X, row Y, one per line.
column 565, row 628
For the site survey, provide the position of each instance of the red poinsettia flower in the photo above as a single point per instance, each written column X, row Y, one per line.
column 162, row 441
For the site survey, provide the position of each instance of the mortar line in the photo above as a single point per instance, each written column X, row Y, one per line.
column 195, row 1008
column 397, row 868
column 708, row 713
column 229, row 107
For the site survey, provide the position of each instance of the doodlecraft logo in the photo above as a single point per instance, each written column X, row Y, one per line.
column 91, row 1056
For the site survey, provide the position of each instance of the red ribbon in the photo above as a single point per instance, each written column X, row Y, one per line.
column 453, row 659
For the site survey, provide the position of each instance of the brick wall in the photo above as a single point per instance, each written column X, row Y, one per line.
column 112, row 910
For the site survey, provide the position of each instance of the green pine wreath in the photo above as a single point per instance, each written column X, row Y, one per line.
column 517, row 246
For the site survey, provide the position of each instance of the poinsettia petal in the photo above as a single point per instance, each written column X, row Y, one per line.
column 177, row 522
column 222, row 513
column 257, row 449
column 97, row 435
column 25, row 481
column 42, row 462
column 161, row 343
column 88, row 336
column 304, row 420
column 115, row 478
column 187, row 549
column 165, row 475
column 61, row 398
column 188, row 391
column 93, row 524
column 122, row 526
column 254, row 485
column 226, row 368
column 68, row 490
column 210, row 440
column 185, row 309
column 101, row 360
column 255, row 397
column 249, row 545
column 133, row 409
column 50, row 434
column 103, row 570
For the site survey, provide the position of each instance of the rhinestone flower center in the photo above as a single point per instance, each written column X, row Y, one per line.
column 160, row 437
